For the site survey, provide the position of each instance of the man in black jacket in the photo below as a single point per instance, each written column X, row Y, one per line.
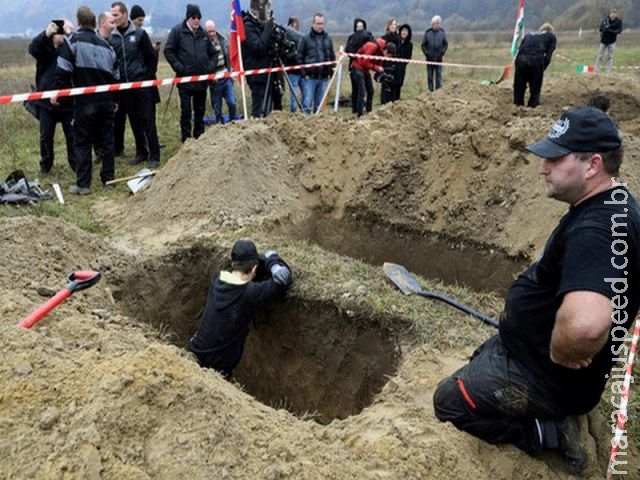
column 138, row 61
column 610, row 28
column 257, row 52
column 566, row 318
column 44, row 48
column 189, row 52
column 534, row 56
column 234, row 298
column 316, row 46
column 87, row 59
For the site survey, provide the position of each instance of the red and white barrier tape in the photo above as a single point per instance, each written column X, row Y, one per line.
column 422, row 62
column 71, row 92
column 624, row 398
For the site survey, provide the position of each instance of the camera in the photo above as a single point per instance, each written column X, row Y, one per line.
column 60, row 25
column 281, row 43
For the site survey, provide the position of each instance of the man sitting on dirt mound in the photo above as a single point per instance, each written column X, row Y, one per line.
column 233, row 300
column 566, row 317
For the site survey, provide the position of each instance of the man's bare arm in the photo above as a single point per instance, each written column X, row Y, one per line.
column 581, row 330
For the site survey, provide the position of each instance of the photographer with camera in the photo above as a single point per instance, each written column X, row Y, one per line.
column 261, row 49
column 45, row 48
column 315, row 47
column 610, row 28
column 360, row 68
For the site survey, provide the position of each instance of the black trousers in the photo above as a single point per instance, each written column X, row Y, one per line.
column 529, row 71
column 192, row 103
column 93, row 124
column 260, row 107
column 140, row 108
column 119, row 124
column 496, row 399
column 360, row 85
column 49, row 118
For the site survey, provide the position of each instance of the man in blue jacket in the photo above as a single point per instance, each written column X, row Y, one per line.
column 234, row 298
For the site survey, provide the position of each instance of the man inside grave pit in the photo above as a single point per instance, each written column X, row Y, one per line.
column 235, row 296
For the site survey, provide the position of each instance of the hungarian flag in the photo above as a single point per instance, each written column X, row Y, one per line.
column 236, row 36
column 518, row 32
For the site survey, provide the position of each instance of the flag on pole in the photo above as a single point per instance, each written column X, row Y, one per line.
column 518, row 31
column 237, row 35
column 585, row 69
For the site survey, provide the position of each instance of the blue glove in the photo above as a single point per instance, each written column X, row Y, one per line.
column 280, row 274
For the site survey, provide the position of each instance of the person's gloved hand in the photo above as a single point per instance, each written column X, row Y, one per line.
column 281, row 274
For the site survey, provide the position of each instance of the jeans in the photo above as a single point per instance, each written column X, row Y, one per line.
column 434, row 71
column 295, row 85
column 223, row 89
column 610, row 49
column 313, row 90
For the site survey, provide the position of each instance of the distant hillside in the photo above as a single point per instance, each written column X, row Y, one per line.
column 31, row 16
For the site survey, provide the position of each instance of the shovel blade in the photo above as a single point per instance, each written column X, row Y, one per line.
column 142, row 182
column 401, row 278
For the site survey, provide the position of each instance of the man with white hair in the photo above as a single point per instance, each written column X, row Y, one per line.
column 434, row 47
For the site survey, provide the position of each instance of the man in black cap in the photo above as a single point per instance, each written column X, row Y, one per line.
column 189, row 52
column 566, row 317
column 137, row 16
column 234, row 298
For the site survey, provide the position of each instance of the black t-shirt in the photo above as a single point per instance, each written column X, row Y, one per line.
column 584, row 250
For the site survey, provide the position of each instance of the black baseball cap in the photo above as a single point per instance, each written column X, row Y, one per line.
column 582, row 129
column 244, row 251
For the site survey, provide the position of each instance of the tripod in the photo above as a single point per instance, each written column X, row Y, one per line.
column 276, row 86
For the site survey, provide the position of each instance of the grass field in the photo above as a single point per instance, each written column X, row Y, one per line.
column 19, row 144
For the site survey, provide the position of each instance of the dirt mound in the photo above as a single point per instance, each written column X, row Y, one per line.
column 338, row 383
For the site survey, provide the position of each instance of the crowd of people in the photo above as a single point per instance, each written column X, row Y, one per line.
column 528, row 385
column 192, row 49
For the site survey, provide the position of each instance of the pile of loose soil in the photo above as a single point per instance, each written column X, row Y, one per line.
column 104, row 388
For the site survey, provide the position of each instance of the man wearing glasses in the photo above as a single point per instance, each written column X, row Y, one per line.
column 189, row 52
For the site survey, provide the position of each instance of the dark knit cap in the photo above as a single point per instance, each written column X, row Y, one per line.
column 136, row 11
column 193, row 11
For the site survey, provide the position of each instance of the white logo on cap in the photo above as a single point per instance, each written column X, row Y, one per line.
column 559, row 128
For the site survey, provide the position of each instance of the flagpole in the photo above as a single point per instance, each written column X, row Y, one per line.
column 244, row 95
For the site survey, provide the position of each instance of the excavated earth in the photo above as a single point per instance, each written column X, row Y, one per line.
column 337, row 378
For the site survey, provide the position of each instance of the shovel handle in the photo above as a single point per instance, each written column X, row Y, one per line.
column 37, row 315
column 78, row 280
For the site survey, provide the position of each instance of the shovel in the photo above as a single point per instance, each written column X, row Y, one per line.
column 408, row 285
column 77, row 281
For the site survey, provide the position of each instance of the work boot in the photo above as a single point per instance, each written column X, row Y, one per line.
column 571, row 444
column 563, row 435
column 79, row 190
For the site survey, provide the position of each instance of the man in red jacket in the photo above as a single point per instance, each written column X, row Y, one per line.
column 360, row 70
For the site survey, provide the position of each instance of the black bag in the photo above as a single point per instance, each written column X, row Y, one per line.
column 32, row 107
